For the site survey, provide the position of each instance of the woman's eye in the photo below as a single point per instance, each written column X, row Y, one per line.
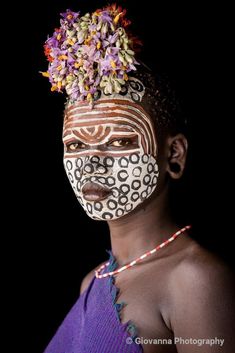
column 120, row 143
column 75, row 146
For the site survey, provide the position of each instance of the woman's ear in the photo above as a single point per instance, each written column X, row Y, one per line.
column 177, row 153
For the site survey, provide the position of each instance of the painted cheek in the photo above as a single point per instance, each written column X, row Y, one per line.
column 131, row 180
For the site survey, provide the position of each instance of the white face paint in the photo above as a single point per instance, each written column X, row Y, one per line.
column 110, row 155
column 130, row 179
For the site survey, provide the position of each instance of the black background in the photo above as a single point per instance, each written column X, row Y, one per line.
column 59, row 244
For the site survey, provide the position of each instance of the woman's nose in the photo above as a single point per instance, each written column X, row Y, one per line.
column 94, row 166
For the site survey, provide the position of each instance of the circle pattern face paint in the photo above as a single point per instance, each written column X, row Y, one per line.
column 131, row 179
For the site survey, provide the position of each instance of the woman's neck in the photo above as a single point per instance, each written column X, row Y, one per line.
column 141, row 230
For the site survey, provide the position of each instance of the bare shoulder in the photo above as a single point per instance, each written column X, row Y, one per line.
column 202, row 297
column 88, row 278
column 202, row 269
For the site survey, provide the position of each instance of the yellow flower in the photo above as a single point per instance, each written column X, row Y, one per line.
column 70, row 41
column 77, row 65
column 53, row 88
column 126, row 77
column 87, row 41
column 62, row 57
column 45, row 73
column 89, row 97
column 116, row 19
column 113, row 64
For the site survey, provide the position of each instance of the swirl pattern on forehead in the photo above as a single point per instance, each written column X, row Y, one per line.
column 102, row 119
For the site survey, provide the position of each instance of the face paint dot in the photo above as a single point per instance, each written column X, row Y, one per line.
column 137, row 171
column 128, row 207
column 125, row 188
column 70, row 176
column 135, row 97
column 78, row 186
column 115, row 192
column 143, row 195
column 108, row 161
column 137, row 86
column 124, row 90
column 150, row 168
column 122, row 175
column 93, row 178
column 149, row 189
column 122, row 200
column 97, row 95
column 134, row 158
column 84, row 181
column 89, row 168
column 146, row 180
column 112, row 205
column 98, row 206
column 119, row 212
column 80, row 200
column 145, row 158
column 101, row 169
column 136, row 184
column 123, row 162
column 77, row 174
column 155, row 168
column 154, row 182
column 69, row 165
column 95, row 159
column 135, row 196
column 110, row 181
column 101, row 180
column 79, row 162
column 89, row 207
column 107, row 215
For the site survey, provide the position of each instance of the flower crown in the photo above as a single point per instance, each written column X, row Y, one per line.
column 89, row 53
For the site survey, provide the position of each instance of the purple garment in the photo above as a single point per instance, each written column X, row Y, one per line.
column 93, row 324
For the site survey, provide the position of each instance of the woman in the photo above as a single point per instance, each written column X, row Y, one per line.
column 124, row 144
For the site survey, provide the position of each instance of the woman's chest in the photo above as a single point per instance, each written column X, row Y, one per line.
column 145, row 307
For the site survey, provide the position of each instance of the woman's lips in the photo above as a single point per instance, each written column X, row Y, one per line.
column 95, row 192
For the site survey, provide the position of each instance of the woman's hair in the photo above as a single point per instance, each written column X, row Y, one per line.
column 162, row 102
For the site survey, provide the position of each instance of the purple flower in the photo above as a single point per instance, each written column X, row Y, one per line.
column 89, row 52
column 70, row 16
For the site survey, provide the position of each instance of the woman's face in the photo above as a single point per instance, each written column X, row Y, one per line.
column 110, row 155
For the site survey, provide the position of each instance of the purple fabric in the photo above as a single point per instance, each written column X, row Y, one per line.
column 93, row 324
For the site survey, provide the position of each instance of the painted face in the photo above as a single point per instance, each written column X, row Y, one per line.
column 110, row 156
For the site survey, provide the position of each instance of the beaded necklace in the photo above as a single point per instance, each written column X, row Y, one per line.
column 140, row 258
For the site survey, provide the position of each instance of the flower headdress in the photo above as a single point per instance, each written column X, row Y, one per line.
column 89, row 53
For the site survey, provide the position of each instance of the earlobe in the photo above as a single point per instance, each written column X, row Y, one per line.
column 178, row 146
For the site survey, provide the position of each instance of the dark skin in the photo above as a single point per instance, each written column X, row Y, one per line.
column 183, row 290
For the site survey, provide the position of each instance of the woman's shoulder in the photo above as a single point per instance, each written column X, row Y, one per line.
column 202, row 293
column 201, row 270
column 88, row 278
